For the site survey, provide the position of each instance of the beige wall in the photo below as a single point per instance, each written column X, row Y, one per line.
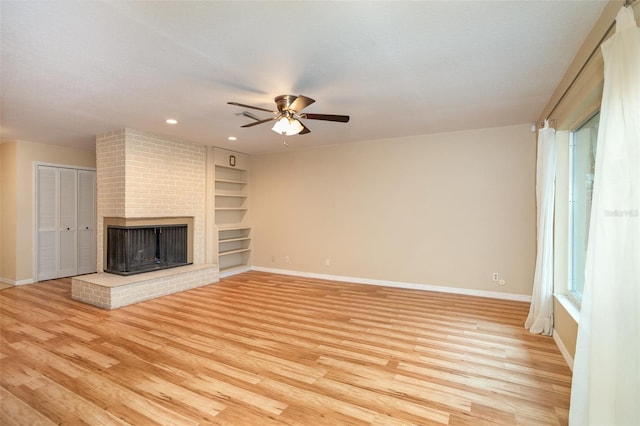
column 8, row 210
column 446, row 209
column 1, row 212
column 565, row 328
column 18, row 160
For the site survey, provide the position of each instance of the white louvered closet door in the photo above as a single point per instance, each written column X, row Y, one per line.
column 47, row 216
column 66, row 222
column 86, row 222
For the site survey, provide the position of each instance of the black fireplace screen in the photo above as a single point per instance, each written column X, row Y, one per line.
column 137, row 249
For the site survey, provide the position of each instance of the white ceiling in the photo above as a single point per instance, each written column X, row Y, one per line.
column 71, row 70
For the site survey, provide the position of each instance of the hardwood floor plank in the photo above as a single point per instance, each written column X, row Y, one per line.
column 15, row 373
column 506, row 403
column 223, row 390
column 86, row 355
column 303, row 397
column 353, row 355
column 19, row 331
column 42, row 359
column 287, row 367
column 128, row 405
column 375, row 398
column 480, row 370
column 180, row 395
column 72, row 331
column 266, row 349
column 480, row 411
column 222, row 364
column 16, row 412
column 468, row 380
column 57, row 402
column 370, row 378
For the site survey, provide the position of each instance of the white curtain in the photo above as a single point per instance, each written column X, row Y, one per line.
column 540, row 319
column 606, row 375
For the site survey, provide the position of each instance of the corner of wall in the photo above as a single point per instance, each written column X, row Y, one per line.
column 565, row 330
column 8, row 211
column 563, row 349
column 2, row 180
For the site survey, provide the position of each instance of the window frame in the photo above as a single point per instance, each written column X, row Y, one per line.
column 573, row 295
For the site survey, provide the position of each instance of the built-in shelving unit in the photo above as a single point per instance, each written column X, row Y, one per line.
column 231, row 211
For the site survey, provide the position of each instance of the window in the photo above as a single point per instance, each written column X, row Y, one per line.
column 582, row 152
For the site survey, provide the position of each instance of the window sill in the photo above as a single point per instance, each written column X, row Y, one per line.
column 570, row 305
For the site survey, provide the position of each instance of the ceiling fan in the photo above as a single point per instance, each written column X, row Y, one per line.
column 288, row 115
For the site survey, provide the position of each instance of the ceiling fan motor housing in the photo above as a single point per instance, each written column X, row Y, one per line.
column 283, row 102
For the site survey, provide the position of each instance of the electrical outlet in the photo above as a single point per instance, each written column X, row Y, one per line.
column 327, row 262
column 286, row 259
column 273, row 259
column 496, row 276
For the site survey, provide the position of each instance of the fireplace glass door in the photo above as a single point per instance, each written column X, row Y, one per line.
column 137, row 249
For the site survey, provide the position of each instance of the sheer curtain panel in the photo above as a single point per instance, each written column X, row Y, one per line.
column 606, row 375
column 540, row 319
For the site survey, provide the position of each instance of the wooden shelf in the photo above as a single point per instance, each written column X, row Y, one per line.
column 234, row 228
column 238, row 182
column 230, row 168
column 226, row 253
column 230, row 206
column 228, row 240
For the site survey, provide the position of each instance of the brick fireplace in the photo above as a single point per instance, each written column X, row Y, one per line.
column 141, row 179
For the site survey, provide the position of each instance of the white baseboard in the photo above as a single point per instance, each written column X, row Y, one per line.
column 19, row 282
column 563, row 349
column 234, row 271
column 427, row 287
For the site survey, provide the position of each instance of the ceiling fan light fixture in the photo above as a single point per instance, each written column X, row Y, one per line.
column 287, row 126
column 288, row 115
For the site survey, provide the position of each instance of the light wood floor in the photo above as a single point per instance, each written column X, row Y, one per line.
column 259, row 348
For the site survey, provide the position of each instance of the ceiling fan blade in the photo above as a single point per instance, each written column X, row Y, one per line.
column 249, row 115
column 300, row 103
column 304, row 130
column 249, row 106
column 327, row 117
column 260, row 122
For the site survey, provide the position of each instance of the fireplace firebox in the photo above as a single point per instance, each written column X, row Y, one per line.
column 137, row 249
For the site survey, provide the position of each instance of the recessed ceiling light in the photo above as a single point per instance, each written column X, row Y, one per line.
column 171, row 121
column 232, row 138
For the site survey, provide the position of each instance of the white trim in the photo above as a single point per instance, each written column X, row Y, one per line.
column 571, row 204
column 570, row 305
column 563, row 349
column 19, row 282
column 63, row 166
column 34, row 220
column 234, row 271
column 427, row 287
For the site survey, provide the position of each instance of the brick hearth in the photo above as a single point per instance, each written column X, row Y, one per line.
column 109, row 291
